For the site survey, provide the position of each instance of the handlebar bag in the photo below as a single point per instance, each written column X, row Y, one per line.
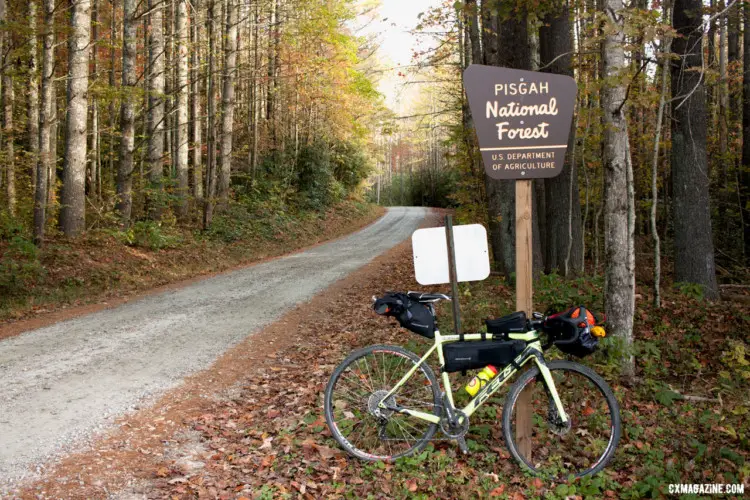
column 463, row 356
column 569, row 324
column 412, row 315
column 512, row 323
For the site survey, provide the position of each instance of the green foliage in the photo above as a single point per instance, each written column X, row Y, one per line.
column 555, row 292
column 10, row 226
column 20, row 268
column 424, row 187
column 149, row 234
column 316, row 176
column 736, row 363
column 690, row 290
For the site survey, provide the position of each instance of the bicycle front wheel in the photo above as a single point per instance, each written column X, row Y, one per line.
column 581, row 447
column 356, row 389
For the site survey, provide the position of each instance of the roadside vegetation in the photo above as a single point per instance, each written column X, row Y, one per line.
column 108, row 262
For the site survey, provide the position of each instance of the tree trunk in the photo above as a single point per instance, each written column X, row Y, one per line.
column 694, row 251
column 127, row 112
column 182, row 145
column 92, row 170
column 213, row 42
column 8, row 101
column 256, row 95
column 156, row 109
column 32, row 107
column 619, row 288
column 563, row 242
column 501, row 194
column 112, row 102
column 73, row 210
column 197, row 29
column 745, row 170
column 45, row 160
column 53, row 140
column 667, row 47
column 227, row 115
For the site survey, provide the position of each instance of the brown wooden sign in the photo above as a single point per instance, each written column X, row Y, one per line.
column 522, row 119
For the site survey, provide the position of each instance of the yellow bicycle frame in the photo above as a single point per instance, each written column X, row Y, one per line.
column 533, row 351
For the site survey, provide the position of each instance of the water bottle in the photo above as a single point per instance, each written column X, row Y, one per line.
column 481, row 379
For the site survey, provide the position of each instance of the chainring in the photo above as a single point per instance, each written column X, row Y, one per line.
column 455, row 429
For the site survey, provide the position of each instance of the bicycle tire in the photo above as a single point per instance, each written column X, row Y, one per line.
column 329, row 402
column 598, row 382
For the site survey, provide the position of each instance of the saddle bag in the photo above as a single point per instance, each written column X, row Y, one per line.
column 410, row 314
column 463, row 356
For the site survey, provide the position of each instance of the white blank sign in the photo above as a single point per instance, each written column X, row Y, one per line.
column 431, row 254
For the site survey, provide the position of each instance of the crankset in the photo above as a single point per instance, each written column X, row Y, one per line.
column 455, row 425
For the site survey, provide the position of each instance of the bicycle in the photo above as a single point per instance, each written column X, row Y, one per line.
column 384, row 402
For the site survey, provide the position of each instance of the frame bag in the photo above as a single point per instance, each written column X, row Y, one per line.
column 463, row 356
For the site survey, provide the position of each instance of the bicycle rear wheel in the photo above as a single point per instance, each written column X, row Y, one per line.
column 353, row 395
column 582, row 447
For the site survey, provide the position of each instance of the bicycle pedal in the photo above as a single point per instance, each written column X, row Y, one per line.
column 462, row 445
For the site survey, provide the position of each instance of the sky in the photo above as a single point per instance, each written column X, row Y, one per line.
column 392, row 26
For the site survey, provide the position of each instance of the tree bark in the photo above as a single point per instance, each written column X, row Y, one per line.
column 227, row 105
column 667, row 48
column 563, row 243
column 156, row 109
column 124, row 203
column 694, row 250
column 197, row 160
column 745, row 170
column 619, row 288
column 213, row 42
column 256, row 101
column 32, row 107
column 45, row 160
column 182, row 145
column 73, row 199
column 8, row 102
column 92, row 171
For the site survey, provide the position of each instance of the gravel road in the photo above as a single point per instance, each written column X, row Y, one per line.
column 62, row 383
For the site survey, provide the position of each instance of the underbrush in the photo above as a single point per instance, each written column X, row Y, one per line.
column 685, row 416
column 110, row 262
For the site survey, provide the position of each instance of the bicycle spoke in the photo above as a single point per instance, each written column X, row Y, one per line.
column 375, row 431
column 556, row 449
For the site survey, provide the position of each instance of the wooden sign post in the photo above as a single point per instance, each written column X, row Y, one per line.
column 524, row 300
column 522, row 119
column 452, row 273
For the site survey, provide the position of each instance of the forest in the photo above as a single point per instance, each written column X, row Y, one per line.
column 119, row 112
column 170, row 124
column 142, row 143
column 658, row 161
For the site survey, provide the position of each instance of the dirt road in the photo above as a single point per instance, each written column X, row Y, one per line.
column 62, row 383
